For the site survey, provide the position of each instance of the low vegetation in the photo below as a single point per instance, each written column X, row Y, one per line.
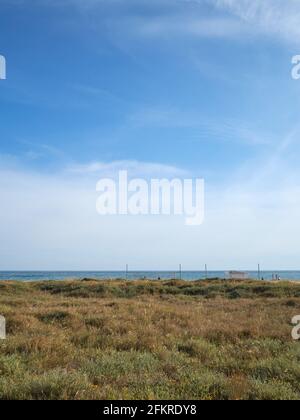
column 149, row 340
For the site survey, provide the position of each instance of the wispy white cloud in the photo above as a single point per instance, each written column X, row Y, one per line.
column 183, row 25
column 220, row 129
column 279, row 18
column 169, row 18
column 165, row 19
column 232, row 18
column 134, row 168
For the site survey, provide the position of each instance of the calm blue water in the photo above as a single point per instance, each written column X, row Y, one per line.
column 133, row 275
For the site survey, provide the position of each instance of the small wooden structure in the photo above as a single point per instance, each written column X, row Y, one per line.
column 238, row 275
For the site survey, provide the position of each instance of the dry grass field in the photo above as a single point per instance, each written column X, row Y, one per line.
column 149, row 340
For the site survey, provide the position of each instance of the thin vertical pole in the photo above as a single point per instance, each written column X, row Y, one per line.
column 180, row 272
column 206, row 272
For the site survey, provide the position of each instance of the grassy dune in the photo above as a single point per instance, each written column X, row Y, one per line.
column 144, row 340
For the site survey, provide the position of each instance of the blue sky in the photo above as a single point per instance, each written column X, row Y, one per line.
column 157, row 87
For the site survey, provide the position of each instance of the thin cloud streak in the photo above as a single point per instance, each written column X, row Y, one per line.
column 234, row 19
column 135, row 168
column 279, row 18
column 224, row 130
column 169, row 18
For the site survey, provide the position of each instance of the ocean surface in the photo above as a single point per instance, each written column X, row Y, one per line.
column 134, row 275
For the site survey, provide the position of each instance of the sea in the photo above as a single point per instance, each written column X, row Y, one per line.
column 136, row 275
